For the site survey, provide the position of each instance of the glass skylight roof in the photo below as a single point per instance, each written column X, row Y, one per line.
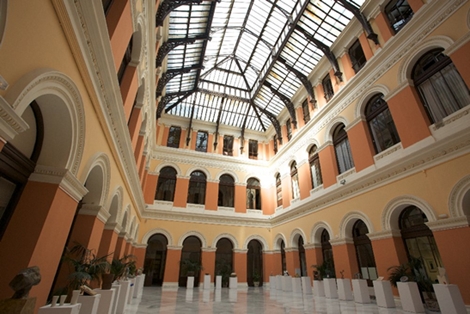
column 247, row 40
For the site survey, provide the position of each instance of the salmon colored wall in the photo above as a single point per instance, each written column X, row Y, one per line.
column 348, row 71
column 365, row 44
column 321, row 101
column 240, row 199
column 267, row 200
column 181, row 192
column 119, row 20
column 135, row 122
column 139, row 149
column 344, row 256
column 129, row 86
column 292, row 261
column 192, row 144
column 454, row 249
column 150, row 188
column 300, row 120
column 184, row 133
column 212, row 192
column 210, row 149
column 415, row 5
column 139, row 253
column 87, row 230
column 36, row 236
column 172, row 265
column 409, row 116
column 460, row 60
column 286, row 186
column 313, row 256
column 329, row 169
column 385, row 31
column 361, row 146
column 305, row 182
column 119, row 251
column 208, row 264
column 336, row 84
column 108, row 243
column 239, row 265
column 142, row 168
column 274, row 264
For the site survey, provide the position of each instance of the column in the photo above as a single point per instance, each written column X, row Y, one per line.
column 181, row 191
column 460, row 60
column 150, row 187
column 239, row 261
column 135, row 123
column 208, row 263
column 172, row 266
column 271, row 264
column 313, row 256
column 139, row 253
column 344, row 254
column 361, row 145
column 329, row 169
column 119, row 251
column 109, row 240
column 286, row 185
column 385, row 31
column 292, row 260
column 119, row 22
column 212, row 194
column 305, row 181
column 45, row 225
column 129, row 86
column 240, row 198
column 409, row 116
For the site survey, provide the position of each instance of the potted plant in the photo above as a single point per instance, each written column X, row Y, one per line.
column 224, row 269
column 190, row 267
column 124, row 267
column 325, row 270
column 256, row 278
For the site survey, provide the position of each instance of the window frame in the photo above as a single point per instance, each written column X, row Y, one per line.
column 275, row 145
column 228, row 200
column 197, row 184
column 359, row 62
column 289, row 129
column 341, row 141
column 306, row 111
column 391, row 7
column 170, row 132
column 252, row 149
column 314, row 161
column 327, row 85
column 161, row 183
column 200, row 147
column 295, row 184
column 256, row 188
column 278, row 189
column 126, row 59
column 228, row 151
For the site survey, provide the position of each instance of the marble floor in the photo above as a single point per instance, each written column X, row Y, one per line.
column 250, row 300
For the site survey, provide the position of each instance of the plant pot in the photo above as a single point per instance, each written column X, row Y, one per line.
column 256, row 283
column 107, row 281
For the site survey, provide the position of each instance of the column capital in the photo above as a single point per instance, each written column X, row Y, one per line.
column 341, row 241
column 291, row 249
column 272, row 252
column 310, row 246
column 449, row 223
column 209, row 249
column 384, row 234
column 174, row 247
column 95, row 210
column 241, row 251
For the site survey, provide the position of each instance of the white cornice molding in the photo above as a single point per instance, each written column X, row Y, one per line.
column 449, row 223
column 63, row 177
column 114, row 226
column 95, row 210
column 209, row 249
column 240, row 251
column 312, row 246
column 385, row 234
column 11, row 124
column 343, row 241
column 270, row 252
column 139, row 245
column 174, row 247
column 291, row 249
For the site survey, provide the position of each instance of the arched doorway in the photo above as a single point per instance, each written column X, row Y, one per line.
column 419, row 242
column 155, row 259
column 254, row 262
column 191, row 251
column 283, row 257
column 364, row 252
column 224, row 260
column 303, row 264
column 327, row 254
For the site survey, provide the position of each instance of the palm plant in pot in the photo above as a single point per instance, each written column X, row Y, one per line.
column 224, row 269
column 324, row 270
column 190, row 268
column 123, row 268
column 256, row 278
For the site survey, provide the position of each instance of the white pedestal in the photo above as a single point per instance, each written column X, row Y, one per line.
column 318, row 288
column 189, row 282
column 286, row 283
column 330, row 288
column 106, row 301
column 344, row 289
column 360, row 291
column 410, row 297
column 90, row 303
column 449, row 299
column 117, row 295
column 296, row 285
column 131, row 290
column 278, row 282
column 271, row 282
column 306, row 285
column 139, row 285
column 60, row 309
column 218, row 282
column 383, row 293
column 207, row 282
column 123, row 296
column 233, row 283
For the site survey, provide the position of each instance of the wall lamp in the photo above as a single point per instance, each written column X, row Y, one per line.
column 343, row 182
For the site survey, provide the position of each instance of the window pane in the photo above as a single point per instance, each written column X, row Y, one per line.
column 174, row 137
column 399, row 13
column 201, row 141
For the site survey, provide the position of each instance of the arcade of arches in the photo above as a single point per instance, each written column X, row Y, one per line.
column 364, row 165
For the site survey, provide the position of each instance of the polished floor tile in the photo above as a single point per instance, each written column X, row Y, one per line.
column 251, row 300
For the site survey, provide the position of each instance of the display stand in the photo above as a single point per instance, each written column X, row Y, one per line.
column 218, row 282
column 278, row 282
column 123, row 296
column 360, row 291
column 207, row 282
column 106, row 301
column 131, row 290
column 60, row 309
column 344, row 289
column 410, row 297
column 287, row 283
column 190, row 282
column 233, row 283
column 318, row 288
column 296, row 285
column 383, row 293
column 139, row 285
column 330, row 288
column 117, row 295
column 271, row 282
column 90, row 303
column 449, row 299
column 306, row 285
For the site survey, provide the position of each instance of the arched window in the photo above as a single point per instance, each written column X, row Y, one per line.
column 126, row 59
column 303, row 263
column 155, row 259
column 279, row 189
column 190, row 254
column 283, row 257
column 398, row 13
column 197, row 188
column 440, row 85
column 254, row 263
column 364, row 253
column 315, row 169
column 381, row 125
column 224, row 260
column 294, row 176
column 253, row 194
column 342, row 149
column 327, row 253
column 166, row 185
column 226, row 191
column 419, row 242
